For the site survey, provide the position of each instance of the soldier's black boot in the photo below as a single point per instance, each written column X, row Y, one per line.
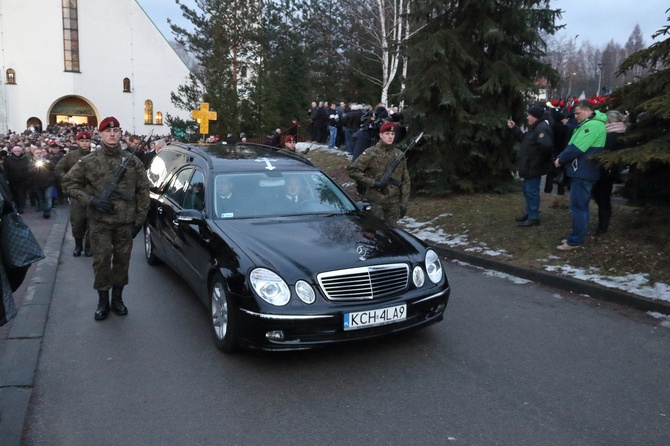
column 78, row 247
column 117, row 302
column 103, row 305
column 88, row 252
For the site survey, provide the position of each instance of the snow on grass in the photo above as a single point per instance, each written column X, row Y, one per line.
column 637, row 284
column 633, row 283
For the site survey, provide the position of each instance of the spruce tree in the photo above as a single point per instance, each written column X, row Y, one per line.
column 222, row 43
column 647, row 141
column 472, row 67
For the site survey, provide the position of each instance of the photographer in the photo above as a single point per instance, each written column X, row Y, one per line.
column 43, row 180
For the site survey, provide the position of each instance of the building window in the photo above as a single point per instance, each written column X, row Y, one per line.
column 148, row 112
column 70, row 35
column 11, row 76
column 126, row 85
column 159, row 118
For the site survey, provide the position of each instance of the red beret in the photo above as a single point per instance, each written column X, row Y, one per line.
column 387, row 127
column 290, row 138
column 110, row 122
column 83, row 135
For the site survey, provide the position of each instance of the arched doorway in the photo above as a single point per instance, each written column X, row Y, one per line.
column 34, row 123
column 72, row 110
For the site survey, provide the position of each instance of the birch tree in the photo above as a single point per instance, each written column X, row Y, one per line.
column 383, row 40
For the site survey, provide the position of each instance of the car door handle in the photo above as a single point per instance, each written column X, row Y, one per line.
column 159, row 209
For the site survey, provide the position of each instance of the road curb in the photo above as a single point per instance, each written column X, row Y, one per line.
column 20, row 355
column 589, row 289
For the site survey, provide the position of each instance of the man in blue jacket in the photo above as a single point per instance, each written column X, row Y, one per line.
column 587, row 140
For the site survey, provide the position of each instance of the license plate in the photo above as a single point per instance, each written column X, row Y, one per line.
column 372, row 318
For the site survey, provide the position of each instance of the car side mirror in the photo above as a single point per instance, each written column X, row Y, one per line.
column 190, row 216
column 364, row 206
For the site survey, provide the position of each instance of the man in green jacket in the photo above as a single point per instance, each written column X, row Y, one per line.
column 587, row 140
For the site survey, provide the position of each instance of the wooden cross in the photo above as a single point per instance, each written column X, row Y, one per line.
column 203, row 115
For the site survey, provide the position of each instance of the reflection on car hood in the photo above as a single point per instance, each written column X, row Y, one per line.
column 314, row 244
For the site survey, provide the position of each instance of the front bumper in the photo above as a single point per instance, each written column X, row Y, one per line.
column 306, row 331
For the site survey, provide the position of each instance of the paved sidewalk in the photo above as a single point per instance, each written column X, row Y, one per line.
column 21, row 338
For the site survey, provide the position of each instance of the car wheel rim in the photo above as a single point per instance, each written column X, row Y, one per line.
column 219, row 311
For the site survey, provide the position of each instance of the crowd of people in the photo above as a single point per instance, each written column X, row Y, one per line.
column 353, row 125
column 29, row 161
column 561, row 141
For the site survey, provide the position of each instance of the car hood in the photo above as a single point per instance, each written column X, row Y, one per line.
column 319, row 243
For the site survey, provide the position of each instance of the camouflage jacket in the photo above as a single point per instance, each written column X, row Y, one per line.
column 68, row 161
column 90, row 175
column 372, row 164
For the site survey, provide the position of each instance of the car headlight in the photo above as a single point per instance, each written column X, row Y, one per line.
column 270, row 287
column 305, row 292
column 433, row 266
column 418, row 277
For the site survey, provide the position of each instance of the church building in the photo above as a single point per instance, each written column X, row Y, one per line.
column 78, row 61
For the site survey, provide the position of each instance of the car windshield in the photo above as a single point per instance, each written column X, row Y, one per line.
column 270, row 194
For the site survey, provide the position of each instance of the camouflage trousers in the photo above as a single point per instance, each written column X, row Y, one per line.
column 112, row 244
column 78, row 219
column 389, row 212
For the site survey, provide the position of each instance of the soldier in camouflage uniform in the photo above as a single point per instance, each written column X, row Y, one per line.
column 389, row 201
column 77, row 209
column 113, row 222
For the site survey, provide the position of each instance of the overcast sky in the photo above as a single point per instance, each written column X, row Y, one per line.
column 597, row 21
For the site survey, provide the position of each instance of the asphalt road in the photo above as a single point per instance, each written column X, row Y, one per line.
column 511, row 364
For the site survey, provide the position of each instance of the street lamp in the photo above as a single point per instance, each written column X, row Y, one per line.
column 600, row 77
column 570, row 84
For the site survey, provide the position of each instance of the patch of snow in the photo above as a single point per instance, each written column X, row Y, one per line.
column 665, row 318
column 633, row 283
column 491, row 273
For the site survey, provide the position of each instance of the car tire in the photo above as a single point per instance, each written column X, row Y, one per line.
column 224, row 324
column 149, row 249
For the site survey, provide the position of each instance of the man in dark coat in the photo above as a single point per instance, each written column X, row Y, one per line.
column 534, row 161
column 17, row 173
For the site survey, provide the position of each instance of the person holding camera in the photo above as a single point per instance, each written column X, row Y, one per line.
column 389, row 201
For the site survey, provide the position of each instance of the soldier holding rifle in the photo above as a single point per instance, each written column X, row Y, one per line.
column 114, row 186
column 383, row 170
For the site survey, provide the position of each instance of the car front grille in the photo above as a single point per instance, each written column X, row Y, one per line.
column 370, row 282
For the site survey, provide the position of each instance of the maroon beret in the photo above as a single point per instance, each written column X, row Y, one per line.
column 290, row 138
column 83, row 135
column 110, row 122
column 387, row 127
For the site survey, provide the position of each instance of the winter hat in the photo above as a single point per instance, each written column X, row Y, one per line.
column 536, row 111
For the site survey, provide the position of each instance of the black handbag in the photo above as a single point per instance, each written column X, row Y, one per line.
column 19, row 246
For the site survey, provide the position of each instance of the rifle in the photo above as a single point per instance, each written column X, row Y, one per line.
column 386, row 177
column 110, row 188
